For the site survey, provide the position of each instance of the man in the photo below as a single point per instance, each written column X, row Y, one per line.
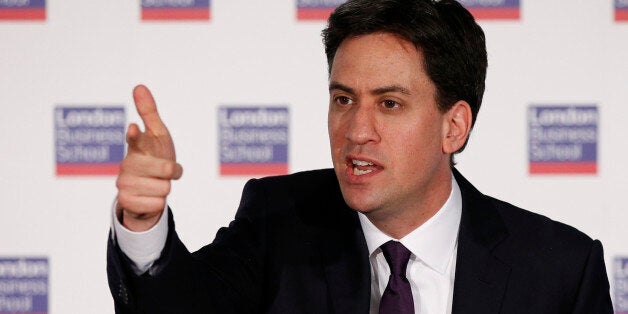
column 393, row 229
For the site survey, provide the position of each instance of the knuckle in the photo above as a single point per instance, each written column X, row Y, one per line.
column 123, row 182
column 124, row 164
column 169, row 168
column 160, row 204
column 167, row 188
column 119, row 183
column 129, row 163
column 124, row 200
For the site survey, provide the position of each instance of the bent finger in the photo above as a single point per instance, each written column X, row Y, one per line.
column 141, row 206
column 144, row 186
column 144, row 165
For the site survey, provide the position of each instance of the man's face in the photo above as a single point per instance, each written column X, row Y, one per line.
column 385, row 129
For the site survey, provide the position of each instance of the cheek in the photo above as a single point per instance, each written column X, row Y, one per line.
column 334, row 128
column 416, row 144
column 335, row 137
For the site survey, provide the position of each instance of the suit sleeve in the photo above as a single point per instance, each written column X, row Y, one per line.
column 593, row 293
column 222, row 277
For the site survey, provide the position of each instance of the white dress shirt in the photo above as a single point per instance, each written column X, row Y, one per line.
column 431, row 268
column 143, row 248
column 432, row 264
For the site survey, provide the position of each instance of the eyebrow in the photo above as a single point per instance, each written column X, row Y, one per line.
column 335, row 85
column 391, row 88
column 377, row 91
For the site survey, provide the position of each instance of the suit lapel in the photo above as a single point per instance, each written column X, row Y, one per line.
column 347, row 271
column 481, row 278
column 344, row 255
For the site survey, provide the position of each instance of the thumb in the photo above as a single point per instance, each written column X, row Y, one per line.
column 132, row 134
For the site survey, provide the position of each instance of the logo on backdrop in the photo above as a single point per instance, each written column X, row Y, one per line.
column 493, row 9
column 253, row 140
column 316, row 10
column 563, row 139
column 24, row 285
column 621, row 10
column 22, row 9
column 621, row 285
column 165, row 10
column 89, row 140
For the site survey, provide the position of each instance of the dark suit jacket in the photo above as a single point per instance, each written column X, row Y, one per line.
column 295, row 247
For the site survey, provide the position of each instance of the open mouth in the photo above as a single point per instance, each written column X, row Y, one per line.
column 362, row 167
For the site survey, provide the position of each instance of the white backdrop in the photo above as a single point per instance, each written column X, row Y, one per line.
column 255, row 52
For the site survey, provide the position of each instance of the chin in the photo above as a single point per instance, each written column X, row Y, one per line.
column 359, row 204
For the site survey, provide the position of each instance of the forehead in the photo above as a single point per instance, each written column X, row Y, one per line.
column 379, row 58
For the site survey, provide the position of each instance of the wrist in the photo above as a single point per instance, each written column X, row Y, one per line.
column 135, row 222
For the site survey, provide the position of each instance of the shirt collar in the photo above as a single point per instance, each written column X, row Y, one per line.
column 433, row 242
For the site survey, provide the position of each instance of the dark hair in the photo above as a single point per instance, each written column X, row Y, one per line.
column 451, row 41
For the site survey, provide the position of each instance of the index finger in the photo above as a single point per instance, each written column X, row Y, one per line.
column 147, row 109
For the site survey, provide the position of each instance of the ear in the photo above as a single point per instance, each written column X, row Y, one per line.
column 457, row 126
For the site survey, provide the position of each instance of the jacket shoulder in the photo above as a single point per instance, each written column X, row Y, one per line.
column 311, row 195
column 528, row 226
column 294, row 190
column 550, row 256
column 319, row 176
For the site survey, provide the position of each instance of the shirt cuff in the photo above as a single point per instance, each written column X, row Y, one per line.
column 142, row 248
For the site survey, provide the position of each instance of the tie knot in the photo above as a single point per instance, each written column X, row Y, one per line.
column 397, row 257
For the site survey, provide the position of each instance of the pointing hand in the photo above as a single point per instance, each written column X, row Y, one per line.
column 149, row 166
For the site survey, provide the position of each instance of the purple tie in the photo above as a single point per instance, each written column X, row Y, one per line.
column 397, row 297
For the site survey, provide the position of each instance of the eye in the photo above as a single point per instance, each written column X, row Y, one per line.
column 390, row 104
column 343, row 100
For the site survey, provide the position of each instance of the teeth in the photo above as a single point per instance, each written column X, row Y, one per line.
column 361, row 163
column 359, row 172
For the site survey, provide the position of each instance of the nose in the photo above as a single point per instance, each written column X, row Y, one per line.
column 362, row 126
